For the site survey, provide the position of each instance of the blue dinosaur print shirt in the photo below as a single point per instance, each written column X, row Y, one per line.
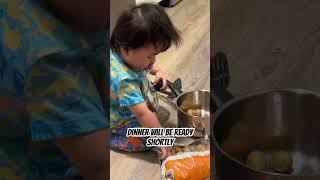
column 127, row 87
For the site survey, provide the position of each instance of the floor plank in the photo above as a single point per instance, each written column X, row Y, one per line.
column 270, row 44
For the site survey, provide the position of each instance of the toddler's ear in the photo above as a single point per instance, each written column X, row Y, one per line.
column 124, row 51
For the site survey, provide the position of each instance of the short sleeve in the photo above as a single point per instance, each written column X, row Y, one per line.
column 129, row 92
column 63, row 100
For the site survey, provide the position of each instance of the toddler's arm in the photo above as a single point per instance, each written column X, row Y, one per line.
column 88, row 153
column 146, row 117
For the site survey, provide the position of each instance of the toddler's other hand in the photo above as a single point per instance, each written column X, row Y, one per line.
column 165, row 152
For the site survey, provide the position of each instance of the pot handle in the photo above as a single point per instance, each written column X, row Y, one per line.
column 220, row 79
column 175, row 88
column 220, row 96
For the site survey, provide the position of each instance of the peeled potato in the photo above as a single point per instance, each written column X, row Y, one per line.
column 257, row 160
column 201, row 147
column 185, row 105
column 178, row 149
column 190, row 112
column 180, row 152
column 192, row 148
column 194, row 112
column 281, row 161
column 197, row 112
column 186, row 149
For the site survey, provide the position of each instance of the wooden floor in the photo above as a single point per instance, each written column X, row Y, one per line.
column 270, row 44
column 190, row 62
column 148, row 1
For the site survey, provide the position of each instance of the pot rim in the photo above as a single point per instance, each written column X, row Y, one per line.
column 180, row 110
column 242, row 98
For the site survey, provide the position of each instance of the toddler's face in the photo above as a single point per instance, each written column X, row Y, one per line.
column 141, row 58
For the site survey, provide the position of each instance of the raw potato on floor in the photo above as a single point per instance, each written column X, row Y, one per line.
column 199, row 147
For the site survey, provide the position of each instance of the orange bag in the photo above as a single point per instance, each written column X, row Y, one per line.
column 186, row 166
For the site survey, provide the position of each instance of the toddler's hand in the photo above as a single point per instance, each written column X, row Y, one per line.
column 165, row 152
column 159, row 75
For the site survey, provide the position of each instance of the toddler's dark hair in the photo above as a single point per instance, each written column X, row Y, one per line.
column 143, row 24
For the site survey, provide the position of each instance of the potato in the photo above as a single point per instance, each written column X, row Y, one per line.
column 194, row 112
column 197, row 112
column 201, row 147
column 192, row 148
column 281, row 161
column 190, row 112
column 186, row 149
column 185, row 105
column 257, row 160
column 178, row 149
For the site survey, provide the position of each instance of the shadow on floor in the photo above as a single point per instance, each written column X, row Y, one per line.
column 163, row 115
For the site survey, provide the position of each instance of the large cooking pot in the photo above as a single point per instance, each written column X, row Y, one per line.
column 198, row 101
column 268, row 121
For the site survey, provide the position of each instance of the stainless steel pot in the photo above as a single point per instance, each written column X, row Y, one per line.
column 268, row 121
column 196, row 99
